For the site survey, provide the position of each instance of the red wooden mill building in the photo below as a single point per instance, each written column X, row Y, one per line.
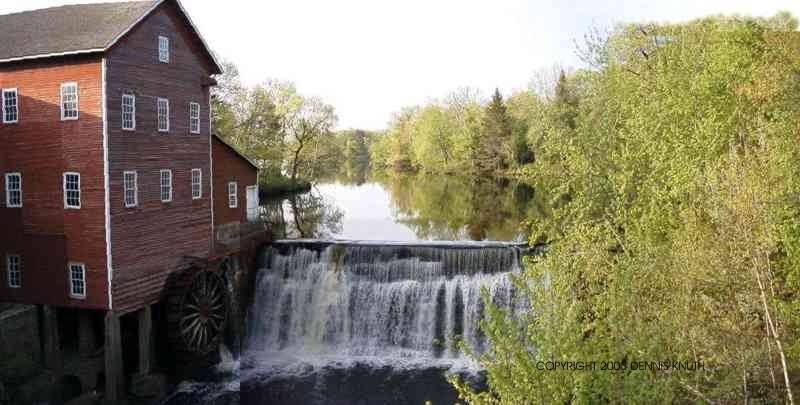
column 115, row 192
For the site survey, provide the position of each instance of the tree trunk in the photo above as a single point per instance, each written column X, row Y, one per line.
column 774, row 331
column 295, row 163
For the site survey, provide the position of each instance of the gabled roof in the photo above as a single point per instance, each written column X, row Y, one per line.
column 76, row 29
column 236, row 151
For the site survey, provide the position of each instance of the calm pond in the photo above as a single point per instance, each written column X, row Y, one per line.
column 406, row 208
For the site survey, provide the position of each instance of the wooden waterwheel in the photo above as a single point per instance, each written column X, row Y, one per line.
column 203, row 313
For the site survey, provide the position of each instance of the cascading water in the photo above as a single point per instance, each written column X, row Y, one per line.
column 371, row 310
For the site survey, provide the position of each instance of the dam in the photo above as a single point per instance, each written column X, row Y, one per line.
column 367, row 322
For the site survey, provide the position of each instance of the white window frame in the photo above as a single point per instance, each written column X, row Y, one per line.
column 16, row 105
column 8, row 190
column 17, row 270
column 161, row 185
column 158, row 114
column 65, row 86
column 163, row 49
column 131, row 97
column 125, row 189
column 198, row 184
column 233, row 198
column 194, row 117
column 67, row 205
column 72, row 280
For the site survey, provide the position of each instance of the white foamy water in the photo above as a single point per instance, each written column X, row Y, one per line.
column 402, row 305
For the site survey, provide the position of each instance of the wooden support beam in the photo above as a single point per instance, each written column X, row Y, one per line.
column 50, row 340
column 115, row 375
column 86, row 338
column 145, row 340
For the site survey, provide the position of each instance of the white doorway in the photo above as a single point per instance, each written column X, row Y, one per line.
column 252, row 203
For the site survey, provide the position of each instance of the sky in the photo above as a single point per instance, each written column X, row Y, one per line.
column 370, row 58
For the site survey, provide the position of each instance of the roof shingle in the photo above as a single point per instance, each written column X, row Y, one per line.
column 67, row 29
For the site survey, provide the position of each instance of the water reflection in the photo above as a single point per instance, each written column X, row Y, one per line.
column 407, row 207
column 307, row 215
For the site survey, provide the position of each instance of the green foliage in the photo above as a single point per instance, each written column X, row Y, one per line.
column 671, row 175
column 271, row 185
column 248, row 118
column 459, row 135
column 492, row 150
column 282, row 130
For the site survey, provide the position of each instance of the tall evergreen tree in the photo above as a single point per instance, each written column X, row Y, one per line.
column 493, row 154
column 565, row 102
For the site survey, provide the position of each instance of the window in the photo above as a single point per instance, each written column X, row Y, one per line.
column 14, row 271
column 194, row 118
column 128, row 112
column 10, row 106
column 163, row 115
column 131, row 189
column 77, row 280
column 166, row 185
column 13, row 190
column 197, row 184
column 72, row 190
column 163, row 49
column 232, row 200
column 69, row 101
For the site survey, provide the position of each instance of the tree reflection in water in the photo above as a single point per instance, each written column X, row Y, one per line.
column 461, row 208
column 430, row 207
column 306, row 215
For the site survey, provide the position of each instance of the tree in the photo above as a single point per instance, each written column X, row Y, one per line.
column 400, row 134
column 305, row 123
column 492, row 152
column 565, row 102
column 248, row 119
column 433, row 139
column 274, row 124
column 357, row 154
column 525, row 110
column 672, row 230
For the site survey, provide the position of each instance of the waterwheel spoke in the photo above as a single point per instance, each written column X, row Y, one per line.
column 193, row 337
column 214, row 288
column 191, row 315
column 203, row 334
column 214, row 324
column 190, row 326
column 203, row 312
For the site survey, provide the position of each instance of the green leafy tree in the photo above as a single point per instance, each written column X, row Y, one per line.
column 524, row 109
column 672, row 176
column 248, row 118
column 432, row 139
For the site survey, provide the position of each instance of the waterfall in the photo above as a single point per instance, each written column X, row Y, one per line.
column 398, row 301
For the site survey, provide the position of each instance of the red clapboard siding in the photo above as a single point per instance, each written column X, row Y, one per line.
column 42, row 148
column 230, row 166
column 148, row 242
column 154, row 239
